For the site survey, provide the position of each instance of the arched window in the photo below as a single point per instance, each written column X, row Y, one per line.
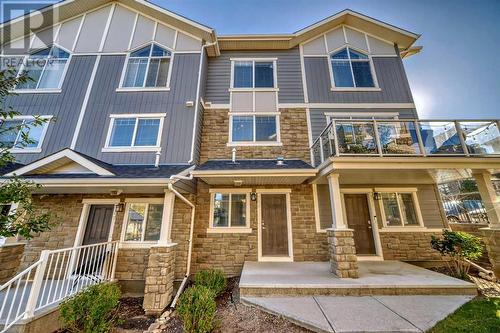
column 147, row 67
column 45, row 68
column 351, row 69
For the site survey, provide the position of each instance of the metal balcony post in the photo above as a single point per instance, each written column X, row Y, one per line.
column 460, row 134
column 419, row 138
column 335, row 137
column 377, row 138
column 321, row 149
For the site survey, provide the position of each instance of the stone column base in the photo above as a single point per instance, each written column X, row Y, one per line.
column 10, row 260
column 159, row 286
column 491, row 238
column 343, row 259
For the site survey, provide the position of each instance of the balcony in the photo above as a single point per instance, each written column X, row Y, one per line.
column 407, row 138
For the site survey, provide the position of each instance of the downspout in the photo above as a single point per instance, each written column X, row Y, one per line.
column 190, row 241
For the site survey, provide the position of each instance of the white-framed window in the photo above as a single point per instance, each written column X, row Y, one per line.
column 14, row 130
column 142, row 221
column 46, row 68
column 399, row 208
column 140, row 132
column 254, row 128
column 148, row 67
column 258, row 73
column 229, row 210
column 352, row 69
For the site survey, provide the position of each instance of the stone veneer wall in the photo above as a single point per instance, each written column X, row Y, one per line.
column 228, row 251
column 293, row 131
column 10, row 258
column 180, row 233
column 408, row 246
column 491, row 238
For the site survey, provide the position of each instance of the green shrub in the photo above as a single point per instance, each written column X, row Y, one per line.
column 213, row 279
column 196, row 309
column 458, row 246
column 91, row 310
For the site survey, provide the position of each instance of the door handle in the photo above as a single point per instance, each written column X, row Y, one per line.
column 369, row 224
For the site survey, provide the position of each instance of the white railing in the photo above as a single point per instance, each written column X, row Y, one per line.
column 57, row 275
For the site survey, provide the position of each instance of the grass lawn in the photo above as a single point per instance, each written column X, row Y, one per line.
column 478, row 316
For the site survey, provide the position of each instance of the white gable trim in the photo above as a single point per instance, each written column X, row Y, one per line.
column 68, row 153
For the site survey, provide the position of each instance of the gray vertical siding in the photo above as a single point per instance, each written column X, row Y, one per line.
column 104, row 100
column 390, row 73
column 318, row 117
column 289, row 75
column 64, row 106
column 201, row 110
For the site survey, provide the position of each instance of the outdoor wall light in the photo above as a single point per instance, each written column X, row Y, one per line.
column 377, row 196
column 119, row 207
column 253, row 196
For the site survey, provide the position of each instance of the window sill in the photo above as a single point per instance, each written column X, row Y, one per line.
column 355, row 89
column 254, row 144
column 36, row 91
column 228, row 230
column 410, row 229
column 253, row 89
column 128, row 89
column 26, row 151
column 137, row 245
column 130, row 149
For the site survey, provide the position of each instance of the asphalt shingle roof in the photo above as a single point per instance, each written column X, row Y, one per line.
column 252, row 165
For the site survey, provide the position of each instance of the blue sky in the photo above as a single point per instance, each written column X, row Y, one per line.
column 457, row 75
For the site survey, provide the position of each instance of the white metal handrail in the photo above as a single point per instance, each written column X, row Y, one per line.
column 57, row 275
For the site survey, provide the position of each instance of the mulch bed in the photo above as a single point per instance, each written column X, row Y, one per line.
column 131, row 314
column 233, row 316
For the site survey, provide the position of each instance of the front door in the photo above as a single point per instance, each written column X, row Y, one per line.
column 98, row 224
column 274, row 226
column 358, row 219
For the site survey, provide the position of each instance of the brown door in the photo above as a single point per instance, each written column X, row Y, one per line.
column 358, row 219
column 98, row 224
column 274, row 225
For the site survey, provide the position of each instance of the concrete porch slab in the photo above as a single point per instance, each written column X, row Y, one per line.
column 375, row 278
column 361, row 314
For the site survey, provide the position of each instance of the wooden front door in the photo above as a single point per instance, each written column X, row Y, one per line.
column 98, row 224
column 274, row 226
column 359, row 219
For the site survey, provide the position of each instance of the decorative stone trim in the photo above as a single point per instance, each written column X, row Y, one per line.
column 10, row 259
column 492, row 241
column 159, row 286
column 343, row 259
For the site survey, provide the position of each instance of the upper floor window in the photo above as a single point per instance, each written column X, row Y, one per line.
column 21, row 134
column 45, row 69
column 148, row 67
column 351, row 69
column 254, row 74
column 254, row 129
column 140, row 132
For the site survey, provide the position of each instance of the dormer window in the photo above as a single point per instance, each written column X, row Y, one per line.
column 148, row 67
column 351, row 69
column 46, row 69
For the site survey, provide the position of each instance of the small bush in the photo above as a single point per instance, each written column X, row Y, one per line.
column 196, row 309
column 213, row 279
column 458, row 246
column 91, row 310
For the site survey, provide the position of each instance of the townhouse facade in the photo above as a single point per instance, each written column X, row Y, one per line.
column 195, row 150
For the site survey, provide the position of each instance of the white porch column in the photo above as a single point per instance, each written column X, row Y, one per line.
column 488, row 195
column 168, row 215
column 336, row 202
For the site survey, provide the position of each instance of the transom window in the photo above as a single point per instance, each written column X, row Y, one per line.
column 254, row 128
column 14, row 131
column 148, row 67
column 400, row 209
column 351, row 69
column 45, row 68
column 253, row 74
column 143, row 222
column 230, row 208
column 135, row 132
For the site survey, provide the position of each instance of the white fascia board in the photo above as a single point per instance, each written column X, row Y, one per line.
column 253, row 172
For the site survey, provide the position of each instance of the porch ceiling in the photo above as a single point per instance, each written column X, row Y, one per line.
column 273, row 179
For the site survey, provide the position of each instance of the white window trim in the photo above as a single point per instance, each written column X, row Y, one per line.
column 121, row 88
column 157, row 147
column 413, row 192
column 376, row 87
column 141, row 243
column 37, row 149
column 254, row 60
column 229, row 229
column 232, row 143
column 25, row 58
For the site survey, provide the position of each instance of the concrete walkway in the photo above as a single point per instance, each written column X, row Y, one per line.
column 361, row 314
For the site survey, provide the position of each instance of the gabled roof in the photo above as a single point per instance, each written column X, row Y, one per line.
column 66, row 9
column 402, row 37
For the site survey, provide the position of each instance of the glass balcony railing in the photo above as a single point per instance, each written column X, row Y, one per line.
column 407, row 138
